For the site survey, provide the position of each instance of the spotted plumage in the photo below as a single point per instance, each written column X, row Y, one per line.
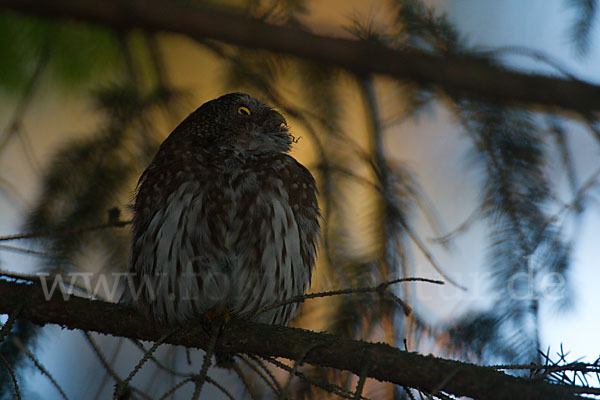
column 223, row 218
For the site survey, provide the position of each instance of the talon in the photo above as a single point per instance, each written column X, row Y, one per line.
column 218, row 313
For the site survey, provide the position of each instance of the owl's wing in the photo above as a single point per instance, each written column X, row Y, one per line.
column 276, row 238
column 302, row 194
column 148, row 201
column 173, row 246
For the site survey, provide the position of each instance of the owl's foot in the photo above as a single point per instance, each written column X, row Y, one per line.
column 215, row 320
column 218, row 313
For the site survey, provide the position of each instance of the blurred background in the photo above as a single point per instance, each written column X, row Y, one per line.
column 499, row 202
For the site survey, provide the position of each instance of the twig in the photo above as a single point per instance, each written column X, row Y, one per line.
column 405, row 307
column 413, row 236
column 25, row 251
column 587, row 185
column 176, row 387
column 70, row 286
column 535, row 55
column 11, row 321
column 158, row 363
column 107, row 365
column 11, row 372
column 267, row 371
column 443, row 240
column 180, row 374
column 19, row 276
column 268, row 379
column 361, row 381
column 565, row 153
column 297, row 364
column 590, row 121
column 67, row 232
column 100, row 356
column 39, row 366
column 329, row 387
column 550, row 369
column 191, row 378
column 245, row 381
column 123, row 384
column 442, row 396
column 370, row 289
column 220, row 387
column 106, row 374
column 408, row 392
column 216, row 328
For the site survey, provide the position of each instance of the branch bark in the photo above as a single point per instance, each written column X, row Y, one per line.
column 455, row 75
column 387, row 363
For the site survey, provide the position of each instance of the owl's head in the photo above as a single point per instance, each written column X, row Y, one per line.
column 237, row 123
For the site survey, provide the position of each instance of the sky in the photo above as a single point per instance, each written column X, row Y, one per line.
column 542, row 25
column 432, row 145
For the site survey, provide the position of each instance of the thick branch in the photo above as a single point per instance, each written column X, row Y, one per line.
column 386, row 363
column 455, row 75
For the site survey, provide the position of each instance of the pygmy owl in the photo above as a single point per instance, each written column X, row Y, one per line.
column 224, row 218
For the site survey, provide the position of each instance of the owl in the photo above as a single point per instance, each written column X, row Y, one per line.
column 224, row 218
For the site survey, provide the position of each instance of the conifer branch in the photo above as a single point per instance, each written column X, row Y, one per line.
column 456, row 75
column 388, row 363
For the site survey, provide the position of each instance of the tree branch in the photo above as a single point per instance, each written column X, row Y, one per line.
column 455, row 75
column 386, row 363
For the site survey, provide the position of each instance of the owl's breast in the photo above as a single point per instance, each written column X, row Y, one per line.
column 223, row 237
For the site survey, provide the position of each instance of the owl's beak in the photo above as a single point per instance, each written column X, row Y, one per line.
column 277, row 119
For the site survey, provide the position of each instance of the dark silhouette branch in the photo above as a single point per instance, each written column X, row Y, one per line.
column 40, row 367
column 15, row 124
column 386, row 363
column 68, row 232
column 381, row 288
column 455, row 75
column 263, row 373
column 327, row 386
column 13, row 377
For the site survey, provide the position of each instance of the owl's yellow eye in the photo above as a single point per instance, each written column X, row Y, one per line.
column 242, row 110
